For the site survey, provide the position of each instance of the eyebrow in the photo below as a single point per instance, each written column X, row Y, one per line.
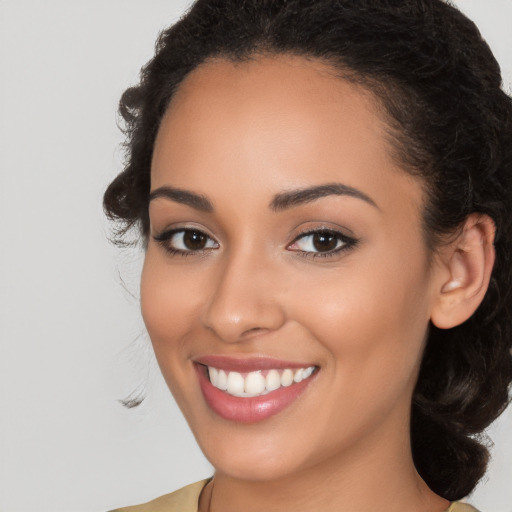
column 280, row 202
column 293, row 198
column 196, row 201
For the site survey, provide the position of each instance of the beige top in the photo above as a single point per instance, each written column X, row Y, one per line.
column 186, row 499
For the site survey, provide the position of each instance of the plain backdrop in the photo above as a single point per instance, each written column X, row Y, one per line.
column 72, row 341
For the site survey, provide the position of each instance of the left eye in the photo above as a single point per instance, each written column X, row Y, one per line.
column 181, row 241
column 189, row 240
column 320, row 242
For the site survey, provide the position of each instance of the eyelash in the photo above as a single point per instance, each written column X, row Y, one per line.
column 347, row 243
column 165, row 237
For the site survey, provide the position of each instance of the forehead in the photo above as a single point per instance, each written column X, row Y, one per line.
column 284, row 99
column 275, row 121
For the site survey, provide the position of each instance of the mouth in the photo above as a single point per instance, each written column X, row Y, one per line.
column 256, row 383
column 248, row 391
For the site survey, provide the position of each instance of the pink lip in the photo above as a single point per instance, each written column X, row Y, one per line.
column 253, row 409
column 248, row 364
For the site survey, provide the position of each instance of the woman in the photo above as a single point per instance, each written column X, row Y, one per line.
column 324, row 193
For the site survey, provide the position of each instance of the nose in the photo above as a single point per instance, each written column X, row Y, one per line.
column 244, row 300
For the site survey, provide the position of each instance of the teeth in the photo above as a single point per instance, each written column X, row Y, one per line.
column 273, row 380
column 307, row 372
column 214, row 375
column 235, row 383
column 287, row 378
column 255, row 383
column 222, row 380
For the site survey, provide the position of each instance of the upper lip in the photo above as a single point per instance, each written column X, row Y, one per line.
column 243, row 365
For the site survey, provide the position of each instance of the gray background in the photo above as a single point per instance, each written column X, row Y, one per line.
column 72, row 341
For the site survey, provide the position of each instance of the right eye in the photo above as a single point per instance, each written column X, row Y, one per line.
column 186, row 241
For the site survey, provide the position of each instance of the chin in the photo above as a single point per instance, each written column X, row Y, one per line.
column 262, row 456
column 255, row 469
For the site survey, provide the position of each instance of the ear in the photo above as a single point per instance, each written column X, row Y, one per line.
column 464, row 270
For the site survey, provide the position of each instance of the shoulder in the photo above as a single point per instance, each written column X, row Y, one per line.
column 461, row 507
column 185, row 499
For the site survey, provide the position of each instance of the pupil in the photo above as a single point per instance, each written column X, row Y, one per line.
column 324, row 242
column 194, row 240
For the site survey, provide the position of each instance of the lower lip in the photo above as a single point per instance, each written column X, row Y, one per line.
column 249, row 409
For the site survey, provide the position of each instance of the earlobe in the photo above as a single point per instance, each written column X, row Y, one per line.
column 465, row 272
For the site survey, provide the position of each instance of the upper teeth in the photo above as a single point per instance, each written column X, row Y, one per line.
column 256, row 383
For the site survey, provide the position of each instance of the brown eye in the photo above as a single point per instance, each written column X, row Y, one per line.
column 325, row 241
column 322, row 243
column 186, row 241
column 194, row 240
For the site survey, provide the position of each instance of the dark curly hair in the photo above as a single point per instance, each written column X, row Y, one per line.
column 450, row 122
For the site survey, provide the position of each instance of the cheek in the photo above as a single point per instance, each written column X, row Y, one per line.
column 169, row 300
column 168, row 295
column 169, row 305
column 372, row 318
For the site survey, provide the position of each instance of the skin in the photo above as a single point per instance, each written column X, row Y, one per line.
column 239, row 134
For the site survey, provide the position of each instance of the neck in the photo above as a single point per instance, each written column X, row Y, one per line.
column 338, row 484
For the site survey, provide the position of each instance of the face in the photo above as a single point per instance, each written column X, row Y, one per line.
column 286, row 262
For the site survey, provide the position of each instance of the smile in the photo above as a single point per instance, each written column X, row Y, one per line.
column 256, row 383
column 251, row 390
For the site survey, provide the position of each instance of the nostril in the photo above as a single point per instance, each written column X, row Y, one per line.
column 254, row 331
